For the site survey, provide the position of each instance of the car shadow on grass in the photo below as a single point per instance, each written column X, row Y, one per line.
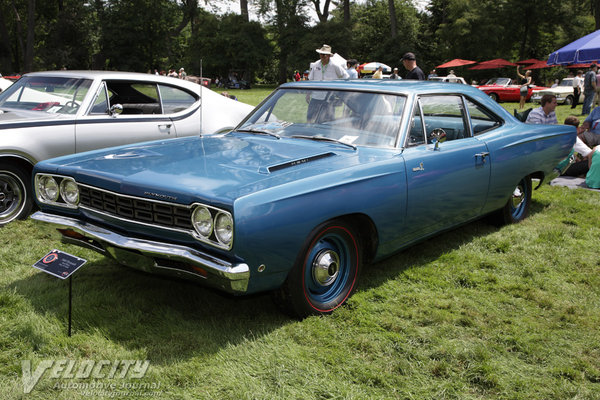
column 171, row 320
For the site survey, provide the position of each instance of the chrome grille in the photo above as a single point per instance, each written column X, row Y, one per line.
column 135, row 209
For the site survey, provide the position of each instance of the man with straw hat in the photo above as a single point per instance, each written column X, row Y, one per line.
column 324, row 70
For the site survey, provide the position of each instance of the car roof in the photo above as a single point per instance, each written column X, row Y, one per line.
column 138, row 76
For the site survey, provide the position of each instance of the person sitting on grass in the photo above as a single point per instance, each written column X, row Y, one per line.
column 584, row 153
column 545, row 113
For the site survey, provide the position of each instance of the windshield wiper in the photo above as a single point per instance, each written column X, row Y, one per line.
column 324, row 139
column 260, row 132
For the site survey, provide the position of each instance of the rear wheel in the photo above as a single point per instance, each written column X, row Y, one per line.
column 569, row 100
column 325, row 273
column 516, row 208
column 15, row 193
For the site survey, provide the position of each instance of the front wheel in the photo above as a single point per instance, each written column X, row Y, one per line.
column 325, row 272
column 516, row 208
column 15, row 197
column 494, row 97
column 569, row 100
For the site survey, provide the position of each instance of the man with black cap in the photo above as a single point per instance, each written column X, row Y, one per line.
column 410, row 63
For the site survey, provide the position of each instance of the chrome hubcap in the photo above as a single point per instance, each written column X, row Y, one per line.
column 11, row 198
column 326, row 267
column 517, row 197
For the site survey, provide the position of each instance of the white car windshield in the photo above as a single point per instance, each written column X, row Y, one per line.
column 350, row 118
column 59, row 95
column 498, row 81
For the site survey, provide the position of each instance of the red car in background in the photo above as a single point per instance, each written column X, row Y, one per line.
column 501, row 89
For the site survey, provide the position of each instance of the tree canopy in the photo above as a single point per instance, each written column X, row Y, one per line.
column 143, row 35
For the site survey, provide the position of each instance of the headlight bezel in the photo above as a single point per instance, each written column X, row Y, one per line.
column 208, row 219
column 63, row 192
column 213, row 238
column 42, row 194
column 229, row 231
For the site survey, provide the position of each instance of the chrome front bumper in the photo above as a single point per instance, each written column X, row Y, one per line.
column 150, row 256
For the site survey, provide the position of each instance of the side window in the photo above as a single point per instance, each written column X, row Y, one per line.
column 482, row 120
column 174, row 99
column 101, row 103
column 135, row 97
column 416, row 135
column 444, row 117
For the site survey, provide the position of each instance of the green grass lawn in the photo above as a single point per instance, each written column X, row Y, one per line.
column 476, row 313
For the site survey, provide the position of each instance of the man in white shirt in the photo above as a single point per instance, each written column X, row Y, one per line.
column 324, row 70
column 319, row 108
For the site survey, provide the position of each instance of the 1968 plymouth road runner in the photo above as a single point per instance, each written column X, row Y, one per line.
column 319, row 180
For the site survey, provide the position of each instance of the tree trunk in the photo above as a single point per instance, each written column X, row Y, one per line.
column 347, row 12
column 244, row 10
column 30, row 44
column 323, row 15
column 393, row 21
column 5, row 50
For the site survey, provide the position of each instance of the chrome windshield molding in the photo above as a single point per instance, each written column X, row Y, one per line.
column 220, row 273
column 192, row 232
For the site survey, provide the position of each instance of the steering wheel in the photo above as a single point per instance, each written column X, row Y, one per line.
column 438, row 134
column 71, row 104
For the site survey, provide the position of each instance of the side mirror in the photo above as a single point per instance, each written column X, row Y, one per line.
column 115, row 110
column 437, row 136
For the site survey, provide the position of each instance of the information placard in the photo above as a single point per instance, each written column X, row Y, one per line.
column 59, row 264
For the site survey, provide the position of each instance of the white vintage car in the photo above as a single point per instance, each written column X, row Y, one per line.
column 451, row 79
column 4, row 84
column 563, row 93
column 49, row 114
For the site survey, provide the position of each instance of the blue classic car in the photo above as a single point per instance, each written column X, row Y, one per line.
column 319, row 180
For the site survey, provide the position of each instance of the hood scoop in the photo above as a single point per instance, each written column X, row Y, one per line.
column 294, row 163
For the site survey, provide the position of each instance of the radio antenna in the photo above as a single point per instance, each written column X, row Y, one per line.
column 201, row 89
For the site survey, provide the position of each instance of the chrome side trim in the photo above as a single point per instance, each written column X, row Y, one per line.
column 151, row 256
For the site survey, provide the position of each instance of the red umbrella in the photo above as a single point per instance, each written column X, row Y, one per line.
column 491, row 64
column 529, row 61
column 538, row 65
column 457, row 62
column 585, row 65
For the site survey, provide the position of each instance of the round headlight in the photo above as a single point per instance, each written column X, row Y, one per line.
column 48, row 188
column 224, row 228
column 69, row 191
column 202, row 221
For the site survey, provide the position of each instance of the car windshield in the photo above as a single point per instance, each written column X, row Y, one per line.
column 498, row 81
column 347, row 117
column 567, row 82
column 58, row 95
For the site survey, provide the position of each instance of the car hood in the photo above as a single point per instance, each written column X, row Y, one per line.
column 217, row 168
column 9, row 116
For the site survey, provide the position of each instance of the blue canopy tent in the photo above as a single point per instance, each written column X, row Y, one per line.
column 583, row 50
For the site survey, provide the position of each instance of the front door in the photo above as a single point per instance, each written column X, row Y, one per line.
column 448, row 169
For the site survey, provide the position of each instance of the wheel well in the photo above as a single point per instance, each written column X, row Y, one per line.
column 538, row 175
column 367, row 232
column 26, row 165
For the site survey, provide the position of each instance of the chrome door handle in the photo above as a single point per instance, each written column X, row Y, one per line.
column 483, row 155
column 165, row 126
